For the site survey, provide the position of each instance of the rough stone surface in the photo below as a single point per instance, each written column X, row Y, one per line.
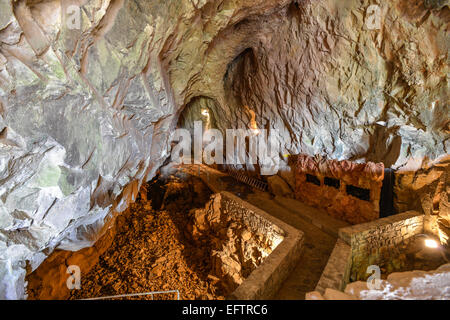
column 86, row 114
column 240, row 241
column 411, row 285
column 424, row 186
column 334, row 87
column 374, row 242
column 336, row 199
column 311, row 252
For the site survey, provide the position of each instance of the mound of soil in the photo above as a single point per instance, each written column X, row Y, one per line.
column 151, row 251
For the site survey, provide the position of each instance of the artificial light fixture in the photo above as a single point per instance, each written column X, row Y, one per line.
column 430, row 243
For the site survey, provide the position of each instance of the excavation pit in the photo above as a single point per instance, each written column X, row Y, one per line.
column 283, row 248
column 227, row 249
column 392, row 244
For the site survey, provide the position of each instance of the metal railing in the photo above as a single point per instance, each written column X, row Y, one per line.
column 137, row 295
column 253, row 182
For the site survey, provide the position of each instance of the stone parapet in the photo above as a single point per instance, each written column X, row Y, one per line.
column 373, row 242
column 337, row 271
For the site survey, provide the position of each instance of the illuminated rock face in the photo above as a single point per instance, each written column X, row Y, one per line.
column 86, row 114
column 427, row 190
column 241, row 239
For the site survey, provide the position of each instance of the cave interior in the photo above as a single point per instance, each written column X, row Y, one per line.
column 164, row 150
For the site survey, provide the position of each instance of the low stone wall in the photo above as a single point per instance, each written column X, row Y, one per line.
column 337, row 271
column 371, row 243
column 424, row 187
column 265, row 280
column 368, row 244
column 347, row 190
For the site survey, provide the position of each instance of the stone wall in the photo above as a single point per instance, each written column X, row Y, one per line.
column 335, row 197
column 337, row 271
column 424, row 186
column 264, row 281
column 241, row 240
column 373, row 242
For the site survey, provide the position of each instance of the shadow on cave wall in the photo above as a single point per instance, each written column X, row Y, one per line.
column 385, row 146
column 238, row 71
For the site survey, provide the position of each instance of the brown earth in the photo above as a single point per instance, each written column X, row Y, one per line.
column 152, row 251
column 148, row 249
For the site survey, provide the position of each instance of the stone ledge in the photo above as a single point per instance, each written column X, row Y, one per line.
column 348, row 233
column 336, row 272
column 366, row 244
column 371, row 243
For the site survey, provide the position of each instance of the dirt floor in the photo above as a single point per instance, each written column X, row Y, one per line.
column 152, row 252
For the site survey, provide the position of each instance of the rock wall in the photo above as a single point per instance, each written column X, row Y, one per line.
column 330, row 187
column 86, row 114
column 332, row 86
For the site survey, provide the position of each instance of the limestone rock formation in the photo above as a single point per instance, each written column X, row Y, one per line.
column 411, row 285
column 87, row 109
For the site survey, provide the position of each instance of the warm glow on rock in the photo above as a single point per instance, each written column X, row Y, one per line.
column 253, row 124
